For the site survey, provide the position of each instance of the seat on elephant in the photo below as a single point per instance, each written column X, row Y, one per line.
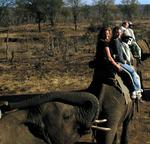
column 122, row 82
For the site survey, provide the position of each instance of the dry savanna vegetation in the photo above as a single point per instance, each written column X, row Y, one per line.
column 57, row 59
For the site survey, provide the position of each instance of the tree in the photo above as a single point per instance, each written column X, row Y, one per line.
column 75, row 5
column 54, row 7
column 5, row 8
column 86, row 11
column 130, row 8
column 66, row 14
column 146, row 10
column 105, row 10
column 41, row 9
column 36, row 8
column 23, row 14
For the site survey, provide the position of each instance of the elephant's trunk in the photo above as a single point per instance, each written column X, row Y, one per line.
column 87, row 104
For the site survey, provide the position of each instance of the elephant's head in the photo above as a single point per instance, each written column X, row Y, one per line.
column 59, row 123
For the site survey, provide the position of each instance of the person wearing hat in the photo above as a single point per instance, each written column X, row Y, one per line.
column 130, row 29
column 136, row 50
column 127, row 30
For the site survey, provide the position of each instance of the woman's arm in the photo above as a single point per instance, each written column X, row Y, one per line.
column 110, row 58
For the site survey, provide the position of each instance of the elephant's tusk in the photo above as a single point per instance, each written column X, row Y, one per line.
column 2, row 103
column 100, row 121
column 0, row 114
column 100, row 128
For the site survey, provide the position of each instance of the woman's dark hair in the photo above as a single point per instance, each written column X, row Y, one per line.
column 115, row 30
column 101, row 36
column 102, row 32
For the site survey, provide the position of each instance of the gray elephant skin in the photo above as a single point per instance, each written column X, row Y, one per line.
column 114, row 108
column 51, row 118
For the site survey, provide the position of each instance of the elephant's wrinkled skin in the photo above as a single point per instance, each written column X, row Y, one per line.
column 113, row 107
column 40, row 120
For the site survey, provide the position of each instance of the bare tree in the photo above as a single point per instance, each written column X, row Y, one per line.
column 75, row 5
column 54, row 8
column 146, row 10
column 86, row 12
column 5, row 6
column 105, row 10
column 41, row 9
column 130, row 9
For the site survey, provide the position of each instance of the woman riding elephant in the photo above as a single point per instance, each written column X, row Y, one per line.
column 105, row 66
column 115, row 103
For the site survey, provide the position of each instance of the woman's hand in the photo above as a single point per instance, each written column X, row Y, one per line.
column 119, row 68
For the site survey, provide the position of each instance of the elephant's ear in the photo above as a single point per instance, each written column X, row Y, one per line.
column 35, row 123
column 34, row 115
column 35, row 129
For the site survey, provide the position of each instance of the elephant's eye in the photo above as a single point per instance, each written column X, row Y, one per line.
column 67, row 115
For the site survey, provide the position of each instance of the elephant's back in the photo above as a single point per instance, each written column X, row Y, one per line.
column 116, row 102
column 113, row 98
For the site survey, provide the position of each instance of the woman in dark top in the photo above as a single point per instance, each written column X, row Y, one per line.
column 103, row 56
column 105, row 66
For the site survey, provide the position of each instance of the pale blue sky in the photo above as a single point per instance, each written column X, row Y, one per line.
column 119, row 1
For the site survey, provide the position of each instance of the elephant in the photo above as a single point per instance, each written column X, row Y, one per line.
column 49, row 118
column 114, row 108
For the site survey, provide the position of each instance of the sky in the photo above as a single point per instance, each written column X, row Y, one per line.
column 119, row 1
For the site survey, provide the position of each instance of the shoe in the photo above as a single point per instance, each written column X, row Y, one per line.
column 133, row 95
column 139, row 94
column 141, row 90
